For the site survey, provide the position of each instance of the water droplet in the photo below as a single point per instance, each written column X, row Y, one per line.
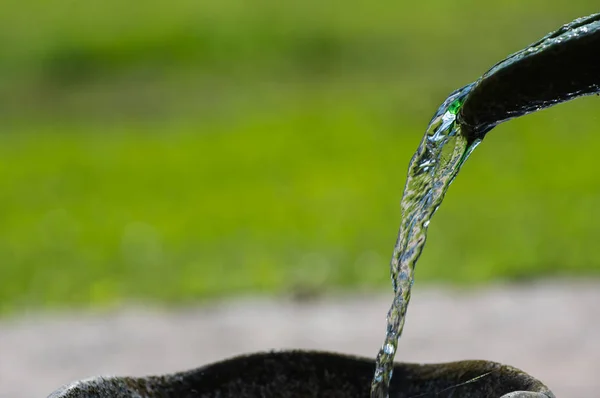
column 389, row 349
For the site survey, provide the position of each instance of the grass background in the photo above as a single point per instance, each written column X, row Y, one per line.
column 184, row 150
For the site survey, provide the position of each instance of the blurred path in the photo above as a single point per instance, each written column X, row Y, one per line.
column 550, row 329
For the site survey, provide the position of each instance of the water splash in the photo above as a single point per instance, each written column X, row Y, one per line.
column 432, row 169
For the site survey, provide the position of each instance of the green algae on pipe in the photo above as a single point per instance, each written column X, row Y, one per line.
column 561, row 66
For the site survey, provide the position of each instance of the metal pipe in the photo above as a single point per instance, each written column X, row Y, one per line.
column 561, row 66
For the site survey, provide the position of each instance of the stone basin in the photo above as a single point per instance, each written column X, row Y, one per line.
column 307, row 374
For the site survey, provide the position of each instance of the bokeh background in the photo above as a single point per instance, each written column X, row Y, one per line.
column 174, row 152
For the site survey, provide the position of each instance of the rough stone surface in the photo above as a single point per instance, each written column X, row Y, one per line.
column 550, row 330
column 305, row 374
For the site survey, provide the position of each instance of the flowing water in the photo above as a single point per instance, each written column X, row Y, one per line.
column 442, row 152
column 432, row 169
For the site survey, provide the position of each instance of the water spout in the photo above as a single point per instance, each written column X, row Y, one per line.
column 561, row 66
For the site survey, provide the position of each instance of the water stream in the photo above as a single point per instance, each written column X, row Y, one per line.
column 432, row 169
column 446, row 146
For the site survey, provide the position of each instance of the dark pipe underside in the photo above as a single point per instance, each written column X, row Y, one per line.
column 544, row 74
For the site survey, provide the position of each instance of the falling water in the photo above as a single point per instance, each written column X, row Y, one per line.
column 445, row 148
column 437, row 161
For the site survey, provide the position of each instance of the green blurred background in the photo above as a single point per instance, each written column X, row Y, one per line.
column 177, row 151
